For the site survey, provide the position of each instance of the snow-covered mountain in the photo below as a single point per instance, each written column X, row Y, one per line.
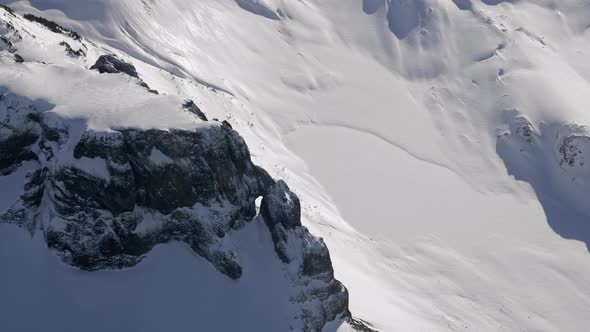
column 437, row 146
column 102, row 169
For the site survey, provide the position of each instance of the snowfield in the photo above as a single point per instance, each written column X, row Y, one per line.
column 439, row 147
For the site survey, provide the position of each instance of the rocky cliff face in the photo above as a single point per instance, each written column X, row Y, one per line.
column 197, row 184
column 104, row 199
column 125, row 191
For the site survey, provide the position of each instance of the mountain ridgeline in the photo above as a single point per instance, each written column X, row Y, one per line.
column 103, row 199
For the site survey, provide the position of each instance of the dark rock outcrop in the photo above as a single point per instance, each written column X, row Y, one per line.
column 9, row 36
column 110, row 64
column 190, row 106
column 294, row 244
column 169, row 175
column 569, row 151
column 21, row 127
column 281, row 210
column 54, row 27
column 71, row 52
column 8, row 10
column 18, row 58
column 15, row 149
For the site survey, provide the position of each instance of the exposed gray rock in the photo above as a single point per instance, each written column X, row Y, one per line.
column 71, row 52
column 9, row 35
column 279, row 222
column 190, row 106
column 18, row 58
column 295, row 245
column 167, row 174
column 570, row 152
column 110, row 64
column 53, row 27
column 281, row 206
column 16, row 149
column 8, row 10
column 21, row 128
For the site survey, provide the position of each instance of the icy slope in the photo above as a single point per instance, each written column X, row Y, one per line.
column 450, row 134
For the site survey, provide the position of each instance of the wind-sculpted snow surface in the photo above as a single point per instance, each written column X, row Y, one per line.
column 439, row 147
column 103, row 197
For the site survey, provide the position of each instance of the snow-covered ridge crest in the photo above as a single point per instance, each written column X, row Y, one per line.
column 113, row 169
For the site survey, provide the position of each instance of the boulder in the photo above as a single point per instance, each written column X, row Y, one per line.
column 110, row 64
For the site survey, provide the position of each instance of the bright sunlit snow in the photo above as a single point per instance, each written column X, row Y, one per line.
column 429, row 142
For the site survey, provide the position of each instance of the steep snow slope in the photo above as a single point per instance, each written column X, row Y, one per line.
column 449, row 134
